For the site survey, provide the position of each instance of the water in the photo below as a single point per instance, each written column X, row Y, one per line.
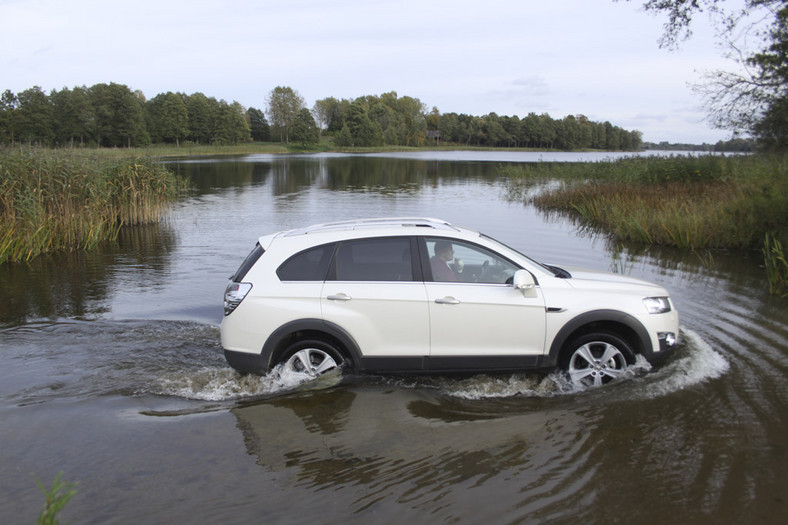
column 112, row 373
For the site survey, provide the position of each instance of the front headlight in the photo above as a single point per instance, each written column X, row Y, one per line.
column 657, row 305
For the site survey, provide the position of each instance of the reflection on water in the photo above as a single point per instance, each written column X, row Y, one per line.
column 289, row 175
column 379, row 449
column 112, row 372
column 426, row 442
column 79, row 284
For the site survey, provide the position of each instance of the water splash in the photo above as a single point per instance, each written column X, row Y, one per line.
column 694, row 362
column 225, row 384
column 698, row 363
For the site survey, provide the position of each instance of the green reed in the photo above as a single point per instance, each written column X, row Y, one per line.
column 776, row 265
column 694, row 203
column 690, row 202
column 52, row 200
column 56, row 499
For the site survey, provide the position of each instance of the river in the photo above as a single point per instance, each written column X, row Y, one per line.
column 113, row 374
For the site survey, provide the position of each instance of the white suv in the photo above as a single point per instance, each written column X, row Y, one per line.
column 422, row 295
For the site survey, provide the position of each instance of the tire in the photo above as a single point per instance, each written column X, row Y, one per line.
column 311, row 358
column 596, row 359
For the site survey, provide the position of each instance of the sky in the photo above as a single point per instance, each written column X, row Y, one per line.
column 598, row 58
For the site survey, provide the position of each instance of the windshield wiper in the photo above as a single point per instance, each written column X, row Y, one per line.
column 559, row 272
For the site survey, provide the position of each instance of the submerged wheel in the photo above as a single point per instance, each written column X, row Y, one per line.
column 596, row 359
column 311, row 358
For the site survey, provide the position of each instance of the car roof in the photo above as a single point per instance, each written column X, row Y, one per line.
column 384, row 223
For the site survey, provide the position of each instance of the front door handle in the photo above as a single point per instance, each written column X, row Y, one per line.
column 447, row 300
column 339, row 297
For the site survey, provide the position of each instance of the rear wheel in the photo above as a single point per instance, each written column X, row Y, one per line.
column 311, row 358
column 596, row 359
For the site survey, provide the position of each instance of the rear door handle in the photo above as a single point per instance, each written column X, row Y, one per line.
column 447, row 300
column 339, row 297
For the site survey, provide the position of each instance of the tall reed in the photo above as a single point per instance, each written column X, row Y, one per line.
column 64, row 200
column 57, row 497
column 689, row 202
column 776, row 266
column 695, row 203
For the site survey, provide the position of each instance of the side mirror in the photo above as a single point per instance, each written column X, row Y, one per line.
column 523, row 280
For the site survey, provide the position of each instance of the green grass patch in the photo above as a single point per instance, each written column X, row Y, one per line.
column 54, row 200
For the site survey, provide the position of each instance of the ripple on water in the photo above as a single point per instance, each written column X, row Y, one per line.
column 183, row 359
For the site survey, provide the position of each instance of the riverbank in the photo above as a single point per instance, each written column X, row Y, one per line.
column 693, row 203
column 271, row 148
column 62, row 200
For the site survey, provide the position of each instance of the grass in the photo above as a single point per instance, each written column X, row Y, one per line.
column 694, row 203
column 55, row 200
column 56, row 498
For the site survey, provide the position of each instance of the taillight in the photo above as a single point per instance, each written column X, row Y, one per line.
column 234, row 294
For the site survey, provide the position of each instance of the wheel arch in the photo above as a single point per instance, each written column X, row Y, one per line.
column 301, row 329
column 614, row 322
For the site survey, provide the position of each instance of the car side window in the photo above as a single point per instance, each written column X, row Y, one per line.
column 457, row 261
column 384, row 259
column 309, row 265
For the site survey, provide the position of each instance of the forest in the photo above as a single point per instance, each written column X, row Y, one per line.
column 114, row 115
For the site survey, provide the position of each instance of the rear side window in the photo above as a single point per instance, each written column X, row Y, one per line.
column 309, row 265
column 387, row 259
column 242, row 270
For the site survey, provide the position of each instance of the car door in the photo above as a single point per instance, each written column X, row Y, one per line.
column 477, row 318
column 376, row 293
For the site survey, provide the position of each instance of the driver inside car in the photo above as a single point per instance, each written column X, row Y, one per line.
column 442, row 269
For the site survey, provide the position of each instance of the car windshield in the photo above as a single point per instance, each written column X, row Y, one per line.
column 558, row 272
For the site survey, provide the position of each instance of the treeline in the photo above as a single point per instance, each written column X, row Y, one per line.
column 112, row 115
column 403, row 121
column 537, row 131
column 735, row 145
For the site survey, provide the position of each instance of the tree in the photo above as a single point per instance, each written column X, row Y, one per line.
column 8, row 106
column 363, row 131
column 169, row 118
column 258, row 125
column 771, row 65
column 449, row 127
column 304, row 130
column 35, row 117
column 752, row 99
column 120, row 117
column 232, row 125
column 284, row 103
column 203, row 113
column 73, row 115
column 343, row 138
column 329, row 113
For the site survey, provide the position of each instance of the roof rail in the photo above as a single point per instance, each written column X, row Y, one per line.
column 424, row 222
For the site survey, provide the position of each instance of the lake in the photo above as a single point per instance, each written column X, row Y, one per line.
column 113, row 374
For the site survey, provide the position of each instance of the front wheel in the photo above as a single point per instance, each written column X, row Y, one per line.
column 311, row 358
column 596, row 359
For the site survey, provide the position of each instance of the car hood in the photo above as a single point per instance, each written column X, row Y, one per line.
column 582, row 276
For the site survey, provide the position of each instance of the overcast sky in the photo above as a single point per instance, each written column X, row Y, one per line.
column 598, row 58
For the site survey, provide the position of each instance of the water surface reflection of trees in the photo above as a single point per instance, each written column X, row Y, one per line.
column 79, row 284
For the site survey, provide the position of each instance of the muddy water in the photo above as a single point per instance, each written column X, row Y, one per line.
column 112, row 373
